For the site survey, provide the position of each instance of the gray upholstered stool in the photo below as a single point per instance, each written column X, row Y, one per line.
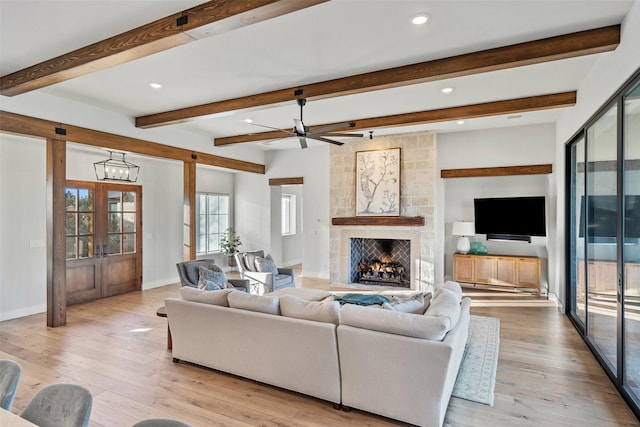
column 57, row 405
column 9, row 377
column 161, row 422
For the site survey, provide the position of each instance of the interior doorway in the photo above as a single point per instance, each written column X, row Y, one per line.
column 287, row 234
column 103, row 245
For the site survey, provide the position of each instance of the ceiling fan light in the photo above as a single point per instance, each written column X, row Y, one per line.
column 420, row 18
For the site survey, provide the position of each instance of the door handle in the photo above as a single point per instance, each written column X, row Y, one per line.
column 104, row 250
column 97, row 253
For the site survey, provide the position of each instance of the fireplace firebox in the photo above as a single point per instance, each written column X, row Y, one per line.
column 380, row 262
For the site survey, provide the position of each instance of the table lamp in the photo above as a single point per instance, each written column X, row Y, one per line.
column 463, row 229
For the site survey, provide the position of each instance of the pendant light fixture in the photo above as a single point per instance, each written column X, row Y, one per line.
column 116, row 169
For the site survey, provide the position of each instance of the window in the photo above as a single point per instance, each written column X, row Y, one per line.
column 288, row 214
column 212, row 220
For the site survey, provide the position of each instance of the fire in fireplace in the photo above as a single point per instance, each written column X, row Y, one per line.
column 381, row 262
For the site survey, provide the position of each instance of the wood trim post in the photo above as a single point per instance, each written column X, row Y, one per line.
column 189, row 212
column 56, row 243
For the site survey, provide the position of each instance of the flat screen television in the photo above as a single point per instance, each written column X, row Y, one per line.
column 602, row 224
column 511, row 218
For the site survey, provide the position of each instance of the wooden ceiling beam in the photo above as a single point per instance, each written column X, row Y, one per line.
column 34, row 127
column 533, row 52
column 495, row 108
column 162, row 34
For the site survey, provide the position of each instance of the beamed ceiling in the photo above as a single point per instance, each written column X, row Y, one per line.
column 510, row 63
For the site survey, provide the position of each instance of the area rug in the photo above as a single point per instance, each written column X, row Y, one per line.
column 476, row 379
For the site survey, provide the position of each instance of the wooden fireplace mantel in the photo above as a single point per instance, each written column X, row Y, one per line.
column 406, row 221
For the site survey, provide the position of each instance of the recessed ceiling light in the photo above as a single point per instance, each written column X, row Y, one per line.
column 447, row 89
column 248, row 120
column 267, row 143
column 460, row 122
column 155, row 85
column 515, row 116
column 420, row 18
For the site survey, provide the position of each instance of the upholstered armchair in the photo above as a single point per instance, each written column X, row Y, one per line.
column 262, row 282
column 189, row 274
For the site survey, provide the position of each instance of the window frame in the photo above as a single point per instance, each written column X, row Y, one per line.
column 221, row 227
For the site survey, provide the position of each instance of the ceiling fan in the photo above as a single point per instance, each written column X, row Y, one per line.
column 303, row 132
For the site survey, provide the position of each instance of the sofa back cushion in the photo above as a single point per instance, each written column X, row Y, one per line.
column 395, row 322
column 318, row 311
column 453, row 286
column 445, row 303
column 259, row 303
column 218, row 297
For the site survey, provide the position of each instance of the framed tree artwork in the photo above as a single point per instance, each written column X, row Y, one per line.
column 378, row 182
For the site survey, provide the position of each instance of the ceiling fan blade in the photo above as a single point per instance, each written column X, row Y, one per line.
column 320, row 138
column 271, row 127
column 303, row 141
column 358, row 135
column 299, row 126
column 335, row 126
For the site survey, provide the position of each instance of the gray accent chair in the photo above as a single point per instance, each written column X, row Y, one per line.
column 261, row 282
column 189, row 274
column 10, row 372
column 60, row 405
column 161, row 422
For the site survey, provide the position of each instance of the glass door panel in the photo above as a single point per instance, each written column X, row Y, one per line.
column 631, row 252
column 601, row 236
column 578, row 265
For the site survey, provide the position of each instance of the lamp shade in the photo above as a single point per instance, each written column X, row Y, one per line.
column 463, row 228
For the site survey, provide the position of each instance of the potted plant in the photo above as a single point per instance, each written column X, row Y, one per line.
column 229, row 244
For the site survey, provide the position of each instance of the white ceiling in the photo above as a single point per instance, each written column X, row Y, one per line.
column 334, row 39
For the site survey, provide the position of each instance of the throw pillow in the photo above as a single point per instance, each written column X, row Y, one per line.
column 212, row 278
column 327, row 311
column 259, row 303
column 207, row 297
column 394, row 322
column 193, row 267
column 250, row 259
column 266, row 265
column 414, row 304
column 453, row 286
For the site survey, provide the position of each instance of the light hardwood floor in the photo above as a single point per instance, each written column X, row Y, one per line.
column 117, row 348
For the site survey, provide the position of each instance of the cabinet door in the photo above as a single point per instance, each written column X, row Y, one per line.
column 485, row 270
column 528, row 272
column 462, row 268
column 506, row 271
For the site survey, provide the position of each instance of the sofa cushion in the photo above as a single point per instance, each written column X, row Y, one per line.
column 260, row 303
column 319, row 311
column 193, row 268
column 416, row 304
column 266, row 265
column 445, row 303
column 212, row 278
column 395, row 322
column 453, row 286
column 304, row 293
column 218, row 297
column 250, row 259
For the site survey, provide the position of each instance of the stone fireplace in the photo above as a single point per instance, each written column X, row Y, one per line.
column 417, row 194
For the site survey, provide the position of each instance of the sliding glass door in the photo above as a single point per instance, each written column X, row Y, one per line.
column 631, row 252
column 603, row 237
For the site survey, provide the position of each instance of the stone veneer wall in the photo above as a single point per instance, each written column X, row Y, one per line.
column 417, row 198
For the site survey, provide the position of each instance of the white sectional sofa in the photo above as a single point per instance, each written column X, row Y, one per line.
column 388, row 362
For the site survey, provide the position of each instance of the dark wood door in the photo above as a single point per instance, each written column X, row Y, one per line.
column 103, row 240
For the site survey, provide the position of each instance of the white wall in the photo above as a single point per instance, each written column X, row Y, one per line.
column 509, row 146
column 253, row 213
column 23, row 270
column 603, row 80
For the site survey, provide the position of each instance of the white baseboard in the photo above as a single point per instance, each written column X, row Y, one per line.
column 22, row 312
column 315, row 275
column 160, row 283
